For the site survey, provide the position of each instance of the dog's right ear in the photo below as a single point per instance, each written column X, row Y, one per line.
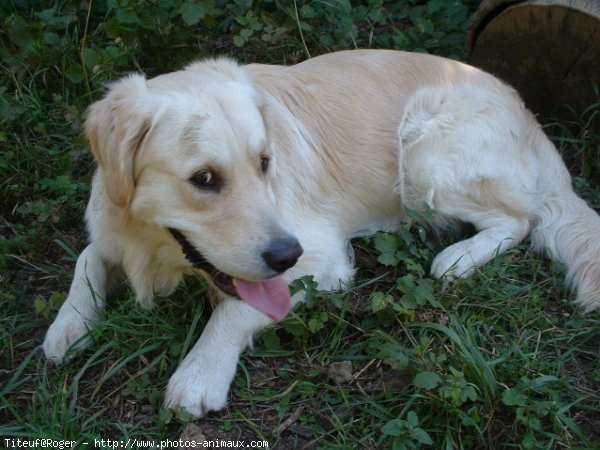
column 116, row 127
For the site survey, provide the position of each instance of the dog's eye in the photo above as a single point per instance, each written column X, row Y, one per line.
column 205, row 179
column 264, row 164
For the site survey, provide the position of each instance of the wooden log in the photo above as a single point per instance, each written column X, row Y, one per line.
column 549, row 50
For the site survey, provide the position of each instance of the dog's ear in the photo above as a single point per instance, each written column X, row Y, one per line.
column 116, row 127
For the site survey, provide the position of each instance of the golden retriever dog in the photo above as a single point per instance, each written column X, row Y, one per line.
column 257, row 175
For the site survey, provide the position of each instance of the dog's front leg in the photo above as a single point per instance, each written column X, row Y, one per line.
column 84, row 305
column 201, row 383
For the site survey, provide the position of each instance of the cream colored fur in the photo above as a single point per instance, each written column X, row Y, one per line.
column 353, row 139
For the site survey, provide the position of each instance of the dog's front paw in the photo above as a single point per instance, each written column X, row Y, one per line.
column 68, row 330
column 454, row 262
column 201, row 383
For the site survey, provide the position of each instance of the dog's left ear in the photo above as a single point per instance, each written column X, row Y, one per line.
column 116, row 127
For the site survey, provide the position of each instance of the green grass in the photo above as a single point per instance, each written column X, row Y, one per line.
column 497, row 361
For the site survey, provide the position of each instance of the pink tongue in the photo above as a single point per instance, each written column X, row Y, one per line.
column 271, row 297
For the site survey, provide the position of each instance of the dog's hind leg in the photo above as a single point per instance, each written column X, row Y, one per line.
column 462, row 153
column 498, row 226
column 495, row 236
column 84, row 305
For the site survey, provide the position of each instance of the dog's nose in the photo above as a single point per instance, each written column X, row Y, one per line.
column 282, row 254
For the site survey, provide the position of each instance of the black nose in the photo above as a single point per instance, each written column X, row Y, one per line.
column 281, row 254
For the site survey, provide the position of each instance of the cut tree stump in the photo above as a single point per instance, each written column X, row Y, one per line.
column 549, row 50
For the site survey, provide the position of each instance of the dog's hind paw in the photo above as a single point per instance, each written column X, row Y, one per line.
column 454, row 262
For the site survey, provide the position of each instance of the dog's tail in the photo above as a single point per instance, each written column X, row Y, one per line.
column 569, row 231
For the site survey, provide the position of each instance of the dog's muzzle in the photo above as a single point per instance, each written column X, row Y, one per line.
column 280, row 255
column 270, row 296
column 221, row 280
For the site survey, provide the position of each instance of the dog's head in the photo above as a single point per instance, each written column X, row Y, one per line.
column 188, row 152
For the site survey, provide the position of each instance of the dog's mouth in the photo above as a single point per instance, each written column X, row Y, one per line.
column 271, row 297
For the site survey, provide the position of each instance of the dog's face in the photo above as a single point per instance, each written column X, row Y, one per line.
column 195, row 158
